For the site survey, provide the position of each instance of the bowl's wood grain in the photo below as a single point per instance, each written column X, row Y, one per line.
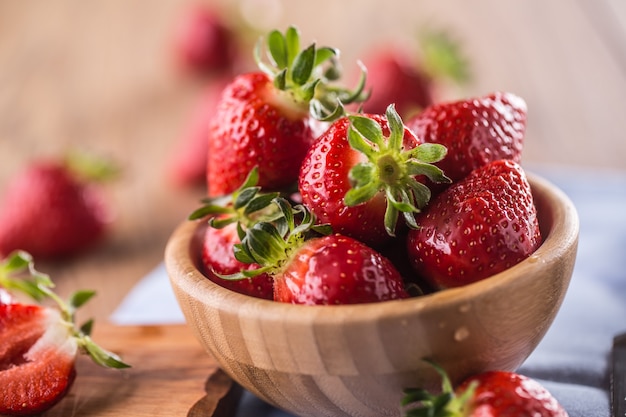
column 355, row 360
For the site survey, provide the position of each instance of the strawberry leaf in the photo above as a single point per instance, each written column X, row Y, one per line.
column 303, row 66
column 307, row 74
column 79, row 298
column 102, row 357
column 277, row 46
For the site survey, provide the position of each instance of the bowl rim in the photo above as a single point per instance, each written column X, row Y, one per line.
column 562, row 236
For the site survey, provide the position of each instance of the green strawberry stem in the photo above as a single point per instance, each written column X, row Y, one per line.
column 418, row 402
column 90, row 167
column 391, row 168
column 18, row 273
column 245, row 206
column 271, row 244
column 306, row 75
column 442, row 57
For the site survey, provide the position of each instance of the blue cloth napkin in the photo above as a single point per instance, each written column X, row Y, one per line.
column 572, row 361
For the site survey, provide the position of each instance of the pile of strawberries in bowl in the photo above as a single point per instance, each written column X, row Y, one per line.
column 343, row 257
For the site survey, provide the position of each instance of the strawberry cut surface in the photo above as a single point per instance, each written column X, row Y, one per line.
column 36, row 359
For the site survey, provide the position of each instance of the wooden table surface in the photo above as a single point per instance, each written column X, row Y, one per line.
column 99, row 75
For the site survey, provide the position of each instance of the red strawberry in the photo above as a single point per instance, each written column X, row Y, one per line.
column 362, row 172
column 203, row 42
column 395, row 76
column 477, row 227
column 50, row 211
column 39, row 345
column 475, row 131
column 218, row 258
column 246, row 206
column 488, row 394
column 36, row 359
column 265, row 118
column 188, row 162
column 317, row 270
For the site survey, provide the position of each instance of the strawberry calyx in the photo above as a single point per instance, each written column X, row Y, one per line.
column 306, row 75
column 271, row 244
column 18, row 273
column 391, row 168
column 418, row 402
column 90, row 167
column 245, row 206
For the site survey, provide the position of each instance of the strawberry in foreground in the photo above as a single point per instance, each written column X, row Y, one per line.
column 362, row 173
column 476, row 228
column 51, row 210
column 228, row 219
column 475, row 131
column 269, row 118
column 314, row 269
column 488, row 394
column 39, row 344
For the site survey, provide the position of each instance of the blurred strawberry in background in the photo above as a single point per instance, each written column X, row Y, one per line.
column 397, row 74
column 55, row 207
column 188, row 160
column 203, row 41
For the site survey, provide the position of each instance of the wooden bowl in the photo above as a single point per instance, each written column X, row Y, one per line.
column 355, row 360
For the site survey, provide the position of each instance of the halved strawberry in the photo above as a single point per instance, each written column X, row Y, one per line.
column 39, row 344
column 477, row 227
column 37, row 357
column 362, row 173
column 269, row 118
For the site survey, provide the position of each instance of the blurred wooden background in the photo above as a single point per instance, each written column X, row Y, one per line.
column 99, row 75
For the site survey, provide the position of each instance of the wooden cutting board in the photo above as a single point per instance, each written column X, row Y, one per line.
column 170, row 375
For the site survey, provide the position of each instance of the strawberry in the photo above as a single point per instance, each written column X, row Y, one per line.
column 479, row 226
column 395, row 76
column 228, row 218
column 314, row 269
column 39, row 344
column 269, row 118
column 487, row 394
column 361, row 174
column 218, row 258
column 50, row 211
column 37, row 359
column 203, row 43
column 188, row 161
column 475, row 131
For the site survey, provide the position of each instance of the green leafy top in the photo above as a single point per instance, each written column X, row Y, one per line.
column 307, row 74
column 442, row 57
column 418, row 402
column 270, row 244
column 90, row 167
column 18, row 273
column 245, row 206
column 391, row 168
